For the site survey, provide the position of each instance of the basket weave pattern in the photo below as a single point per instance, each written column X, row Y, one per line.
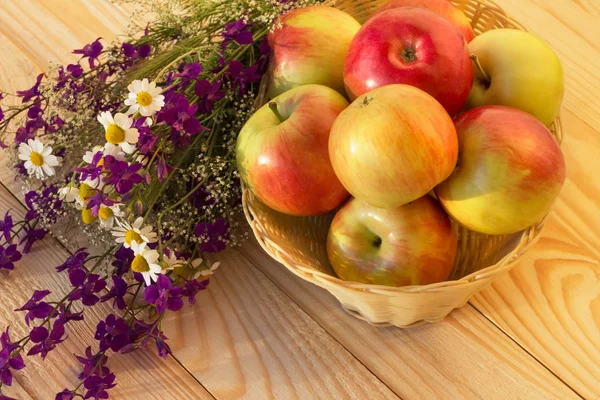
column 299, row 243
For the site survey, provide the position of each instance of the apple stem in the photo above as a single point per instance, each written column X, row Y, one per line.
column 479, row 67
column 273, row 107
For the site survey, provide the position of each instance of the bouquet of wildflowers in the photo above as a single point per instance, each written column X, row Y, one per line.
column 132, row 148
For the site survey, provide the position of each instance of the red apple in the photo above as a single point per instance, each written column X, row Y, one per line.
column 510, row 171
column 393, row 145
column 413, row 244
column 309, row 46
column 282, row 151
column 441, row 7
column 413, row 46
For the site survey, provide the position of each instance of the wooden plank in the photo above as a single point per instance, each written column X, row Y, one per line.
column 451, row 359
column 572, row 28
column 550, row 302
column 43, row 379
column 246, row 339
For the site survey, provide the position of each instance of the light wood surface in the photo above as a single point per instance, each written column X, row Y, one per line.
column 259, row 332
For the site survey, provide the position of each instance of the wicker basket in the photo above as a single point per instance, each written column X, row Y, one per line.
column 299, row 243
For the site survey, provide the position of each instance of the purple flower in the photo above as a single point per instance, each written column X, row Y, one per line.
column 215, row 235
column 31, row 236
column 75, row 70
column 163, row 295
column 147, row 140
column 8, row 361
column 35, row 307
column 31, row 92
column 87, row 285
column 1, row 118
column 97, row 200
column 9, row 256
column 128, row 50
column 180, row 116
column 240, row 77
column 23, row 135
column 207, row 94
column 121, row 174
column 144, row 50
column 191, row 289
column 91, row 51
column 202, row 198
column 6, row 226
column 66, row 394
column 92, row 363
column 163, row 169
column 54, row 124
column 93, row 170
column 97, row 386
column 46, row 342
column 65, row 315
column 74, row 261
column 122, row 260
column 237, row 31
column 188, row 71
column 112, row 333
column 117, row 292
column 34, row 112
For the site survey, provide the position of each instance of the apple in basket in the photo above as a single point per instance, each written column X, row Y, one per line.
column 441, row 7
column 510, row 171
column 282, row 151
column 413, row 46
column 413, row 244
column 517, row 69
column 309, row 45
column 393, row 145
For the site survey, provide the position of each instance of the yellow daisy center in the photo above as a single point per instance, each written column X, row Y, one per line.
column 115, row 134
column 86, row 191
column 144, row 99
column 131, row 236
column 87, row 217
column 36, row 159
column 105, row 213
column 139, row 264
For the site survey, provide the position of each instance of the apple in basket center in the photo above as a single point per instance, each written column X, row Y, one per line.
column 282, row 151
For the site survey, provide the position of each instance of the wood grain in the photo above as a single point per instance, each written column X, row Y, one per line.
column 246, row 339
column 451, row 359
column 142, row 375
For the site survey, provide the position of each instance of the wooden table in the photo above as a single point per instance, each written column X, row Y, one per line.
column 259, row 332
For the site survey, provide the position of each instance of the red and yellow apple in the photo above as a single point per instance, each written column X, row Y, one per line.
column 517, row 69
column 510, row 171
column 309, row 46
column 413, row 244
column 412, row 46
column 441, row 7
column 393, row 145
column 282, row 151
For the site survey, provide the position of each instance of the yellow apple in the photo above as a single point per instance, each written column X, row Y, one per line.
column 516, row 69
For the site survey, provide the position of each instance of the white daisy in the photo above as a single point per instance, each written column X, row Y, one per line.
column 128, row 234
column 69, row 194
column 118, row 131
column 109, row 149
column 145, row 262
column 207, row 272
column 144, row 97
column 38, row 158
column 108, row 215
column 170, row 261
